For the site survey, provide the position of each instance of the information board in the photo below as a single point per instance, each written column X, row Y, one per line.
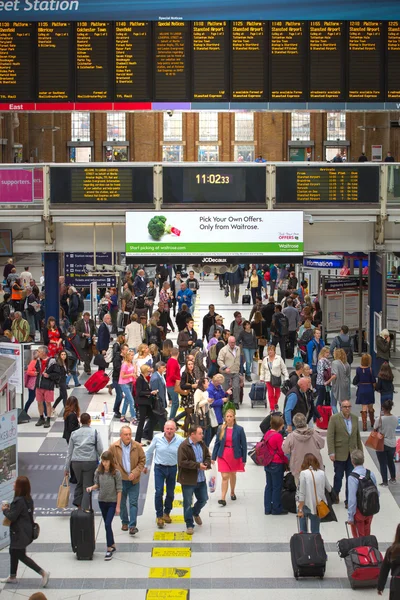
column 198, row 61
column 94, row 61
column 210, row 184
column 77, row 275
column 328, row 184
column 101, row 185
column 288, row 61
column 54, row 61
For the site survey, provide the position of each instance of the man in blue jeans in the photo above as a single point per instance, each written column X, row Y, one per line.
column 130, row 461
column 193, row 461
column 165, row 446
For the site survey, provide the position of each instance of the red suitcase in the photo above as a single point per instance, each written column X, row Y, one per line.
column 326, row 413
column 97, row 382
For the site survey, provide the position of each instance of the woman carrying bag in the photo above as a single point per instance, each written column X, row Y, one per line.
column 387, row 425
column 201, row 415
column 311, row 498
column 71, row 423
column 62, row 361
column 272, row 370
column 19, row 515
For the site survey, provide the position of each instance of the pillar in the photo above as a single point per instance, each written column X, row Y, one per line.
column 51, row 275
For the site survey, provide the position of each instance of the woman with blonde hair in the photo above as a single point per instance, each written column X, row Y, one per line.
column 230, row 451
column 365, row 382
column 134, row 333
column 340, row 378
column 324, row 375
column 142, row 357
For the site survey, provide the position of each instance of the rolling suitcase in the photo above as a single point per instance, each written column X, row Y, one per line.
column 83, row 539
column 246, row 298
column 97, row 382
column 363, row 560
column 308, row 555
column 325, row 412
column 258, row 394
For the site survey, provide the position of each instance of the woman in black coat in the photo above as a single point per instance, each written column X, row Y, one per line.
column 144, row 400
column 62, row 361
column 20, row 513
column 71, row 424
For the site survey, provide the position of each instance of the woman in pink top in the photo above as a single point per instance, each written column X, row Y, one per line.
column 275, row 470
column 126, row 379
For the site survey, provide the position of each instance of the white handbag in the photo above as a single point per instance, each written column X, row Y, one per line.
column 213, row 418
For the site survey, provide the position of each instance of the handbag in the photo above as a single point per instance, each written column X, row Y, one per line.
column 35, row 526
column 275, row 380
column 63, row 494
column 179, row 390
column 376, row 439
column 322, row 507
column 213, row 417
column 297, row 359
column 262, row 341
column 6, row 522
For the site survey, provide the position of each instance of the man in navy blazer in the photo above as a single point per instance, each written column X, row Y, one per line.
column 103, row 335
column 157, row 381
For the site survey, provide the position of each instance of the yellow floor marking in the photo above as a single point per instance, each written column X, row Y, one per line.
column 171, row 536
column 167, row 595
column 177, row 504
column 172, row 573
column 177, row 519
column 171, row 553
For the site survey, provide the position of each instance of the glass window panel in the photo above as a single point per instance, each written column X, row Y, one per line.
column 80, row 127
column 300, row 126
column 336, row 126
column 173, row 127
column 244, row 127
column 173, row 153
column 244, row 153
column 208, row 126
column 208, row 153
column 116, row 127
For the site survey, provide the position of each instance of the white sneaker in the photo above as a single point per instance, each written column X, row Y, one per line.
column 45, row 578
column 9, row 580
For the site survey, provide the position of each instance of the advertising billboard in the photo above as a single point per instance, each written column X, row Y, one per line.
column 221, row 234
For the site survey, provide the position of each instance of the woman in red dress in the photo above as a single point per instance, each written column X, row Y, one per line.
column 231, row 450
column 52, row 337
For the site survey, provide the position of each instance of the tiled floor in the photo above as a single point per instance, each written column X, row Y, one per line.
column 238, row 553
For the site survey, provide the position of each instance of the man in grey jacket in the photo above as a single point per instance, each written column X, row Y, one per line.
column 84, row 451
column 229, row 365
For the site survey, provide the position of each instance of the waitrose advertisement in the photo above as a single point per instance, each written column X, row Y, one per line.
column 211, row 233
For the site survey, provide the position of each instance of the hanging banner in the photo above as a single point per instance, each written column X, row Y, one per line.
column 8, row 466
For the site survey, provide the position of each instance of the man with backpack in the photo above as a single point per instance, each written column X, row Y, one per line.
column 343, row 341
column 343, row 437
column 363, row 496
column 279, row 330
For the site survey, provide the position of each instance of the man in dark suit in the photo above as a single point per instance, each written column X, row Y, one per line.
column 103, row 335
column 157, row 382
column 86, row 330
column 140, row 284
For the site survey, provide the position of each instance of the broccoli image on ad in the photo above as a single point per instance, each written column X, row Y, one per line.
column 157, row 227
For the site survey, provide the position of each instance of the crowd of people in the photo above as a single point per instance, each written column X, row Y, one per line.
column 197, row 385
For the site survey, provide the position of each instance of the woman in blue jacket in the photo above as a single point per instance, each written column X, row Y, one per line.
column 231, row 450
column 219, row 396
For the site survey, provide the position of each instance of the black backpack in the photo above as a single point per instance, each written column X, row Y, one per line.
column 347, row 348
column 282, row 326
column 367, row 495
column 140, row 302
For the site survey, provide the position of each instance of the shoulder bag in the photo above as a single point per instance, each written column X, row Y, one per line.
column 275, row 380
column 376, row 439
column 322, row 507
column 35, row 526
column 179, row 390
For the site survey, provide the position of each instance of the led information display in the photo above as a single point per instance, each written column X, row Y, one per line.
column 101, row 185
column 211, row 184
column 54, row 59
column 199, row 61
column 93, row 61
column 16, row 61
column 342, row 184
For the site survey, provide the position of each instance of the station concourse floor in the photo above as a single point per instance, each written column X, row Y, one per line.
column 238, row 553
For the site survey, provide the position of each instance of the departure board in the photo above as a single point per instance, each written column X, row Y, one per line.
column 94, row 61
column 365, row 61
column 172, row 61
column 249, row 60
column 54, row 60
column 288, row 61
column 342, row 184
column 326, row 51
column 210, row 55
column 133, row 61
column 393, row 61
column 101, row 185
column 16, row 61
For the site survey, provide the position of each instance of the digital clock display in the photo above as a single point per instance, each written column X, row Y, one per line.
column 194, row 185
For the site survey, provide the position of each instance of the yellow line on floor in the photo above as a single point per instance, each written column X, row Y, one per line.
column 169, row 573
column 167, row 595
column 171, row 553
column 171, row 536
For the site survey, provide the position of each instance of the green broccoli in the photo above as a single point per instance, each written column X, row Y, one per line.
column 157, row 227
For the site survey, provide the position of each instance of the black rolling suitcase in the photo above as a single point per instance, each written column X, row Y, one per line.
column 83, row 533
column 308, row 555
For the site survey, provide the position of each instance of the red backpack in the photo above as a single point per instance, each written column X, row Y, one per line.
column 264, row 455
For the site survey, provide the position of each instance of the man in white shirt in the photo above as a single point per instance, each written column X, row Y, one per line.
column 25, row 277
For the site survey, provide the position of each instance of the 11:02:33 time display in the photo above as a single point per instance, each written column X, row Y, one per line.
column 213, row 178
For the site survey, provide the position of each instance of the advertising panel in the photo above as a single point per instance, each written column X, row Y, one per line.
column 214, row 234
column 15, row 351
column 8, row 465
column 16, row 186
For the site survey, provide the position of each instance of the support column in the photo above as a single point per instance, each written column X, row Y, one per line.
column 51, row 274
column 374, row 300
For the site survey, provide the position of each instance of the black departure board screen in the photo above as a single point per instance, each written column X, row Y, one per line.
column 365, row 61
column 326, row 52
column 249, row 59
column 94, row 61
column 288, row 61
column 210, row 55
column 328, row 184
column 210, row 184
column 54, row 60
column 133, row 61
column 172, row 61
column 16, row 61
column 101, row 185
column 393, row 61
